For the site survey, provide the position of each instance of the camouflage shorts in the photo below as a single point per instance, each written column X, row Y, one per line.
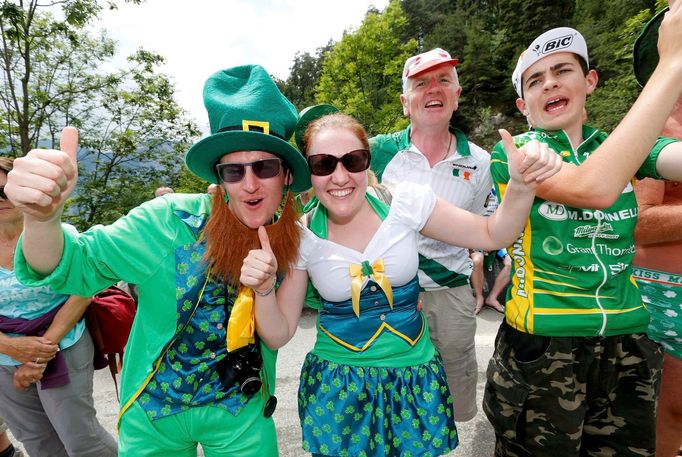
column 662, row 293
column 573, row 397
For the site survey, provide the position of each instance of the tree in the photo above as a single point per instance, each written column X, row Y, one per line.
column 45, row 64
column 362, row 73
column 424, row 16
column 133, row 133
column 612, row 56
column 304, row 76
column 134, row 141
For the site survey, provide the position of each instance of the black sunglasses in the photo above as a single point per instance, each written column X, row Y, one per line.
column 3, row 195
column 263, row 169
column 325, row 164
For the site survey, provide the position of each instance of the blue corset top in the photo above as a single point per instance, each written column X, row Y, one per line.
column 340, row 323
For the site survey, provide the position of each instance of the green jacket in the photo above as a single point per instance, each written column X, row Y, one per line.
column 572, row 266
column 145, row 247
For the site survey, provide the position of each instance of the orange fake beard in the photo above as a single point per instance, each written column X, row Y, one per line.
column 228, row 240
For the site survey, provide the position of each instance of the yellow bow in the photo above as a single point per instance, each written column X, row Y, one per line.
column 376, row 272
column 241, row 326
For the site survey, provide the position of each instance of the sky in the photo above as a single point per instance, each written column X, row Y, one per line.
column 211, row 35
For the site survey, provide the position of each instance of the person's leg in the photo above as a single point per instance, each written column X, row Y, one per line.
column 24, row 413
column 669, row 416
column 71, row 408
column 621, row 419
column 4, row 442
column 501, row 281
column 535, row 395
column 249, row 434
column 140, row 436
column 477, row 278
column 4, row 439
column 452, row 326
column 6, row 447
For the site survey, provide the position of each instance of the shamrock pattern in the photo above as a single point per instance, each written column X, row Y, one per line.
column 375, row 411
column 664, row 303
column 187, row 374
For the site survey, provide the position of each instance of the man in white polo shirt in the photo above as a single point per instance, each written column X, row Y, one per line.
column 431, row 151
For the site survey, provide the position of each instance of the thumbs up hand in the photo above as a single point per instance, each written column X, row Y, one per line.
column 260, row 266
column 532, row 164
column 41, row 181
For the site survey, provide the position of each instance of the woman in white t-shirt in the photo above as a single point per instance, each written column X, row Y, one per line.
column 374, row 384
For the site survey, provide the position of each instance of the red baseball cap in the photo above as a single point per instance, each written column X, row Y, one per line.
column 425, row 61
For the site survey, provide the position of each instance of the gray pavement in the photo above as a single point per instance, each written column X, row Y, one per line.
column 476, row 436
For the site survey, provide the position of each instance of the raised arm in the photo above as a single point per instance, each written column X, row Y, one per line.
column 277, row 313
column 600, row 179
column 528, row 167
column 39, row 185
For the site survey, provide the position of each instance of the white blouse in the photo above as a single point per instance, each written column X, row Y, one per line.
column 395, row 243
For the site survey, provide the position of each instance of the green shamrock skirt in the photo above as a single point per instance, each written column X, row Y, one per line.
column 355, row 411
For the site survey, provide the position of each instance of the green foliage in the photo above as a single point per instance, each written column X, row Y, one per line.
column 188, row 183
column 361, row 75
column 304, row 76
column 608, row 35
column 615, row 96
column 132, row 132
column 362, row 72
column 134, row 142
column 44, row 66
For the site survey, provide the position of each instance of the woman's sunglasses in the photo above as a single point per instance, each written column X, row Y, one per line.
column 263, row 169
column 325, row 164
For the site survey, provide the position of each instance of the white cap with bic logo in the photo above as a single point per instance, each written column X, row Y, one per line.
column 561, row 39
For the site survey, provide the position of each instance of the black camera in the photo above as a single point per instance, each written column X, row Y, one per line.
column 242, row 367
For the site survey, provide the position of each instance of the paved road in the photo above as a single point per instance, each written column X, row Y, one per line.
column 476, row 436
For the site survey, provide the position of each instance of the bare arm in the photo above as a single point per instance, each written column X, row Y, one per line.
column 277, row 314
column 26, row 349
column 598, row 181
column 527, row 168
column 39, row 185
column 458, row 227
column 71, row 312
column 657, row 222
column 669, row 163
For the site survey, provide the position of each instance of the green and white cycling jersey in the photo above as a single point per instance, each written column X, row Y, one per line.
column 571, row 272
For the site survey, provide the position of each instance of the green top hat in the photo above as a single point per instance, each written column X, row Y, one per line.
column 307, row 116
column 247, row 112
column 646, row 50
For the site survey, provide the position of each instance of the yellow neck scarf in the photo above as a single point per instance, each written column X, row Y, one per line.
column 241, row 326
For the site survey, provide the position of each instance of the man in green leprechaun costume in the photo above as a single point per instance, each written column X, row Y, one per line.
column 194, row 371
